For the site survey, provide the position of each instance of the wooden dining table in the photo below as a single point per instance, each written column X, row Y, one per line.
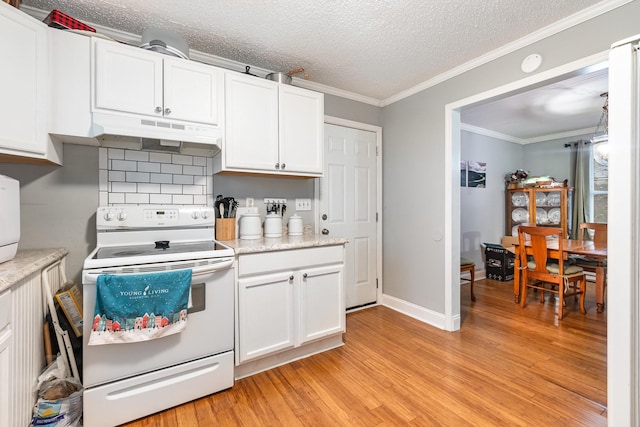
column 586, row 248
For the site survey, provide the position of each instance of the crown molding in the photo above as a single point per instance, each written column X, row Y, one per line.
column 549, row 30
column 524, row 141
column 492, row 134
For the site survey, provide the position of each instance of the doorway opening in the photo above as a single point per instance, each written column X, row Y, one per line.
column 453, row 157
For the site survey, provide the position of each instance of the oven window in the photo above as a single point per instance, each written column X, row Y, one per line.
column 198, row 298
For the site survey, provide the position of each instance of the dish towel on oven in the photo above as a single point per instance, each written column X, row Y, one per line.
column 140, row 307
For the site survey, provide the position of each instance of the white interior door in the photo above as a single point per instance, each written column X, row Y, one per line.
column 348, row 194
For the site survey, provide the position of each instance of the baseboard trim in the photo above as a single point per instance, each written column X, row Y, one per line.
column 422, row 314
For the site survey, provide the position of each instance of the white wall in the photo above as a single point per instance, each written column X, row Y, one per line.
column 482, row 210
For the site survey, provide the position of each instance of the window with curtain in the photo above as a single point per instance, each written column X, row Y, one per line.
column 599, row 182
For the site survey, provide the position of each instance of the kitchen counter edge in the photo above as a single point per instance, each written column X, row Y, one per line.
column 27, row 262
column 283, row 243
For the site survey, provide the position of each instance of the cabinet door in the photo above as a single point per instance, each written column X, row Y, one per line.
column 265, row 314
column 322, row 307
column 5, row 374
column 127, row 79
column 517, row 209
column 251, row 109
column 23, row 83
column 301, row 130
column 191, row 91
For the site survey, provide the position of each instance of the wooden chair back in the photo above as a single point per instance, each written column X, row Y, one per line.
column 567, row 282
column 538, row 237
column 599, row 231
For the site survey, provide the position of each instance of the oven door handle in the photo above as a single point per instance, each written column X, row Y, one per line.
column 90, row 277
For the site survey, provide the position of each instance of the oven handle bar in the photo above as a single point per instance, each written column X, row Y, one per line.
column 89, row 277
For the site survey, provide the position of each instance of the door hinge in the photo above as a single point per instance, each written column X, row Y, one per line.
column 376, row 216
column 376, row 283
column 377, row 151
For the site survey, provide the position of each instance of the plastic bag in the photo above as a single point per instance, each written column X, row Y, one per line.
column 59, row 398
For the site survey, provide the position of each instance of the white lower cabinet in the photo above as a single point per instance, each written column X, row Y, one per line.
column 287, row 299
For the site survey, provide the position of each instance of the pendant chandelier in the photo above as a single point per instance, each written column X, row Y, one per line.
column 601, row 133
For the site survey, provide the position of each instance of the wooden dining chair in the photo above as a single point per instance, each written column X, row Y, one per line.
column 597, row 232
column 469, row 265
column 538, row 270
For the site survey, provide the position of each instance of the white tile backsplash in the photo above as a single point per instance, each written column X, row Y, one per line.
column 170, row 168
column 148, row 167
column 144, row 177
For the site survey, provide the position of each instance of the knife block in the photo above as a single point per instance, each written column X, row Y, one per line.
column 225, row 228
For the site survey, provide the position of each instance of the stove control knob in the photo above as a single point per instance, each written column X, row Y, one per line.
column 205, row 215
column 122, row 216
column 108, row 216
column 195, row 215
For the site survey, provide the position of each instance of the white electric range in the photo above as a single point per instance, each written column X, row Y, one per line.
column 127, row 381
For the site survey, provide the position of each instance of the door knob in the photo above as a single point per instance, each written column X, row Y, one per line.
column 325, row 231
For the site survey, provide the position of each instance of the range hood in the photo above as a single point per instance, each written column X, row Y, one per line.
column 142, row 133
column 146, row 133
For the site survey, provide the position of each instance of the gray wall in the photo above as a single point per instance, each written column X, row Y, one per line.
column 551, row 157
column 482, row 209
column 414, row 157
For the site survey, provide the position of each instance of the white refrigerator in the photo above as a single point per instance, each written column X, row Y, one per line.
column 623, row 293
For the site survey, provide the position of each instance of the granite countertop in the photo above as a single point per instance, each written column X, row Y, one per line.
column 286, row 242
column 26, row 263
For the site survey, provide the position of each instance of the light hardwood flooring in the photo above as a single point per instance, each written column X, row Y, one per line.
column 506, row 366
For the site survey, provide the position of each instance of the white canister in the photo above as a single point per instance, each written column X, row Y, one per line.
column 295, row 225
column 273, row 225
column 250, row 226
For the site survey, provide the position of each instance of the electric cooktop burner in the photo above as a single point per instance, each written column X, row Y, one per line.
column 162, row 247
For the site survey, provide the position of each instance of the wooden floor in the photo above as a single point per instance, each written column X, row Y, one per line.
column 506, row 366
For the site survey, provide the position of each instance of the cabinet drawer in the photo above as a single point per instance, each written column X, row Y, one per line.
column 260, row 263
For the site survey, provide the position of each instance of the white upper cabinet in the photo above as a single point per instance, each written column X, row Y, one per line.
column 251, row 108
column 24, row 89
column 301, row 130
column 271, row 128
column 132, row 80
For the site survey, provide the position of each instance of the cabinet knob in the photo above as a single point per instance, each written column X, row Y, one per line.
column 277, row 165
column 325, row 231
column 283, row 166
column 158, row 110
column 304, row 275
column 291, row 277
column 167, row 111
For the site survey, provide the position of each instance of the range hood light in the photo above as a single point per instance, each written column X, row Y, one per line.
column 167, row 143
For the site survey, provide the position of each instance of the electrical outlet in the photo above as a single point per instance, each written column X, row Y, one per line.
column 303, row 204
column 271, row 200
column 249, row 202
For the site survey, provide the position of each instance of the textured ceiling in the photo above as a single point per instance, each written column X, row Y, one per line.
column 571, row 105
column 374, row 48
